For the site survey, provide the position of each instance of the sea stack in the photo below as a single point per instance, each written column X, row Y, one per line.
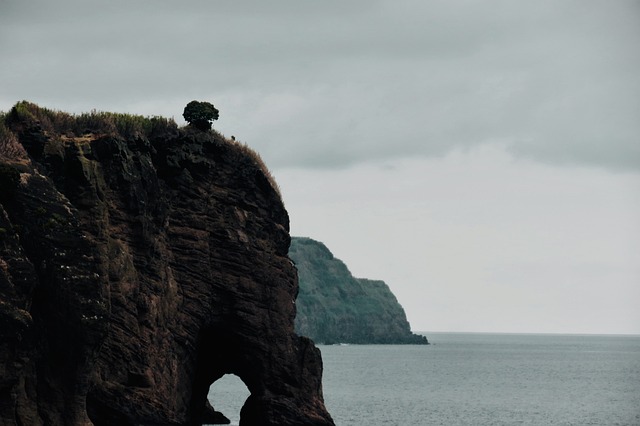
column 139, row 263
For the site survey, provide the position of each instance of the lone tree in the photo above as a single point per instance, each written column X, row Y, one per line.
column 200, row 114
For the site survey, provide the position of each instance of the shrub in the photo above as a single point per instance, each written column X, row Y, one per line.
column 200, row 114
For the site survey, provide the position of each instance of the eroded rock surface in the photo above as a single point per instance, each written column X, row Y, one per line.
column 135, row 272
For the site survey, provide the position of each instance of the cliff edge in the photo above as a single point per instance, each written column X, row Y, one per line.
column 139, row 263
column 335, row 307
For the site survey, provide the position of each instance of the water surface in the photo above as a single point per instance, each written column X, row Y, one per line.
column 476, row 379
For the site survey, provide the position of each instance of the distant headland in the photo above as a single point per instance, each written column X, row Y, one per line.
column 335, row 307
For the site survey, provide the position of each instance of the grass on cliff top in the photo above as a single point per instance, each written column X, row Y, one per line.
column 97, row 122
column 10, row 149
column 101, row 123
column 256, row 159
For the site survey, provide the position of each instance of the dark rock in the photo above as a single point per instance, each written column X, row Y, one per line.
column 135, row 272
column 335, row 307
column 212, row 417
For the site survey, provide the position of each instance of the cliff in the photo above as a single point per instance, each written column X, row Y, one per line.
column 139, row 263
column 335, row 307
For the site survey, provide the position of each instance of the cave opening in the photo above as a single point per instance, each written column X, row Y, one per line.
column 227, row 395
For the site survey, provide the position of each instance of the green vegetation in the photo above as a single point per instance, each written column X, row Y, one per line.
column 200, row 114
column 95, row 122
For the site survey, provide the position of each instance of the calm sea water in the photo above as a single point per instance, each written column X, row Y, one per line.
column 476, row 379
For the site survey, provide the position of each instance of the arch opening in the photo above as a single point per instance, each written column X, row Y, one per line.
column 227, row 395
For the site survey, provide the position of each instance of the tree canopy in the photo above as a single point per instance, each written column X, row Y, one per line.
column 200, row 114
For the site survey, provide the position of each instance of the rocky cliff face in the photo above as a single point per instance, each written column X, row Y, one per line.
column 335, row 307
column 138, row 267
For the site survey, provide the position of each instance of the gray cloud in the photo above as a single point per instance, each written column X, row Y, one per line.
column 330, row 84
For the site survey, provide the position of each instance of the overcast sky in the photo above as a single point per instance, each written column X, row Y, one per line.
column 481, row 157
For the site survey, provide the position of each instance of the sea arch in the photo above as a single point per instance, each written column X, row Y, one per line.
column 228, row 395
column 222, row 357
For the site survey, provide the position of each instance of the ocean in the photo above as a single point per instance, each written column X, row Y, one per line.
column 475, row 379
